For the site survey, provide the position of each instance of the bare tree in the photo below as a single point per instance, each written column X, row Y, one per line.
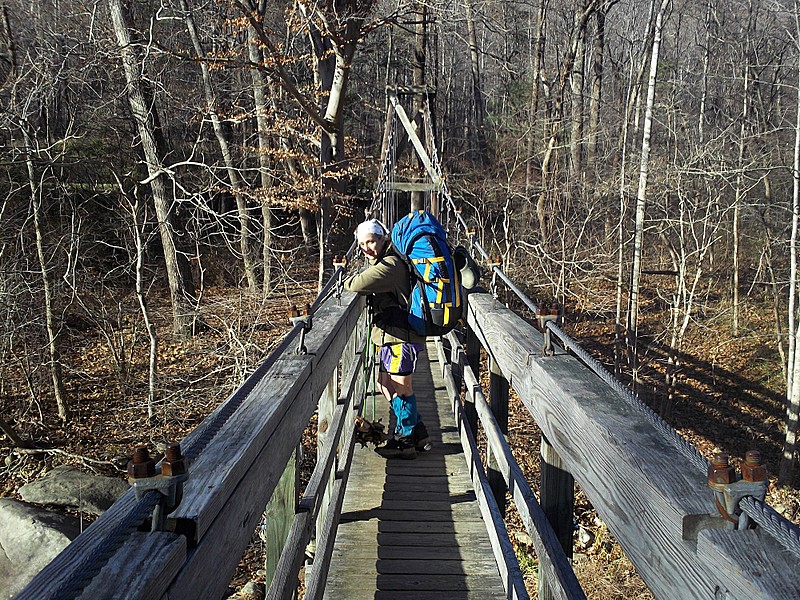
column 641, row 194
column 144, row 117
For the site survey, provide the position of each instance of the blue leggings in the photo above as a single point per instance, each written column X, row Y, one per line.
column 405, row 409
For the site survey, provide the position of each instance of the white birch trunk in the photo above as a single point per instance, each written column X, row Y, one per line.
column 641, row 195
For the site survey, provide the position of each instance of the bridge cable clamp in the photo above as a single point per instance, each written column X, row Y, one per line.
column 169, row 483
column 730, row 488
column 306, row 319
column 339, row 263
column 494, row 263
column 551, row 314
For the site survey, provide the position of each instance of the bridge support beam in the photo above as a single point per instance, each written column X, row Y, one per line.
column 473, row 356
column 498, row 401
column 278, row 517
column 557, row 497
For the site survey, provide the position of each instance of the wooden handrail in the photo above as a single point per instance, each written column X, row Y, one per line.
column 649, row 495
column 228, row 487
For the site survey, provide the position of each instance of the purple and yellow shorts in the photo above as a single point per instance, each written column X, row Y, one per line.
column 399, row 359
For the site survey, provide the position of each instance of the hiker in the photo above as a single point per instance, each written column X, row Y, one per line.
column 386, row 282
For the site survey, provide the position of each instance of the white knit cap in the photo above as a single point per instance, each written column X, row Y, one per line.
column 373, row 226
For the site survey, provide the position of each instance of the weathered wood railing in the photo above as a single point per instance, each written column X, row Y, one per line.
column 229, row 485
column 649, row 495
column 651, row 498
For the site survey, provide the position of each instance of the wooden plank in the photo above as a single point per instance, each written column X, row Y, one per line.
column 638, row 481
column 457, row 528
column 412, row 186
column 278, row 518
column 432, row 541
column 404, row 552
column 411, row 565
column 724, row 548
column 412, row 583
column 501, row 544
column 270, row 405
column 211, row 564
column 131, row 571
column 552, row 559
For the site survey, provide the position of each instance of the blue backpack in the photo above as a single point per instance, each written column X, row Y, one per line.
column 435, row 306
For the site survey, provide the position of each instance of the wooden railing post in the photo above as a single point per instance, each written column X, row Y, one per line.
column 498, row 402
column 327, row 406
column 278, row 517
column 473, row 354
column 557, row 498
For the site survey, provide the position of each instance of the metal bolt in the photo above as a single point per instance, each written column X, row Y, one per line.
column 752, row 468
column 720, row 471
column 141, row 465
column 173, row 463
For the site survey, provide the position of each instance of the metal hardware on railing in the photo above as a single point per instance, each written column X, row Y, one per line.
column 340, row 262
column 304, row 318
column 730, row 489
column 169, row 483
column 552, row 314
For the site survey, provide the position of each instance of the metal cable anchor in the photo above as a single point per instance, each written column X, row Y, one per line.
column 730, row 488
column 494, row 263
column 551, row 314
column 169, row 483
column 339, row 263
column 306, row 319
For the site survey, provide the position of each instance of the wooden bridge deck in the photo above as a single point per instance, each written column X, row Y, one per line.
column 413, row 528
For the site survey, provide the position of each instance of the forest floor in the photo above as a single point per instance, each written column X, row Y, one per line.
column 730, row 399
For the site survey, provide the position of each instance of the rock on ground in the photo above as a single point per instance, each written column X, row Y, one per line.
column 70, row 487
column 30, row 538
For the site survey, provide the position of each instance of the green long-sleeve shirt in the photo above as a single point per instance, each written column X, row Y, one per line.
column 388, row 281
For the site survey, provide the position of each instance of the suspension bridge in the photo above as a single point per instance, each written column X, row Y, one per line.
column 365, row 527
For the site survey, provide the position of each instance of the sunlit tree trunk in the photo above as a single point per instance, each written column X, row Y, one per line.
column 641, row 196
column 793, row 366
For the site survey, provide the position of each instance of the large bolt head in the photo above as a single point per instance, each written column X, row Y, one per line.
column 141, row 465
column 170, row 468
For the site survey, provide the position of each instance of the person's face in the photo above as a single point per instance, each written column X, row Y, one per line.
column 371, row 245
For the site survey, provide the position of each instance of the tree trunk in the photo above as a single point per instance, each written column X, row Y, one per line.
column 137, row 229
column 579, row 28
column 260, row 85
column 739, row 190
column 479, row 105
column 538, row 51
column 793, row 365
column 183, row 313
column 597, row 87
column 641, row 196
column 576, row 104
column 47, row 292
column 224, row 146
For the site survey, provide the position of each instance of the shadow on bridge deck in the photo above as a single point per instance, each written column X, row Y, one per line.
column 413, row 528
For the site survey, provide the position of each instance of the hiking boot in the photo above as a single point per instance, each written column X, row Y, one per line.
column 397, row 448
column 422, row 441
